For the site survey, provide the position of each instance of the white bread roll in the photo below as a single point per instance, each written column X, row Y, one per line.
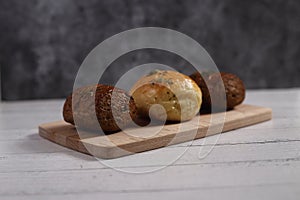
column 178, row 94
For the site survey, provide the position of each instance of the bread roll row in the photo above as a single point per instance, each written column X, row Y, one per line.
column 167, row 95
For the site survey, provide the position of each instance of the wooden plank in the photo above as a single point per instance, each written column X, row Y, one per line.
column 121, row 144
column 183, row 177
column 272, row 191
column 222, row 155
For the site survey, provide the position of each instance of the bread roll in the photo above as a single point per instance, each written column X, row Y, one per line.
column 178, row 95
column 87, row 101
column 234, row 88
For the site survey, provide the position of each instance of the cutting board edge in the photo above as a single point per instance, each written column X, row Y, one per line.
column 115, row 152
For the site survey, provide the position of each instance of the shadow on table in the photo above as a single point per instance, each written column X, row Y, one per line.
column 36, row 144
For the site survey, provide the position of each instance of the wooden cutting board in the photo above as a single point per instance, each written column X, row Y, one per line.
column 121, row 144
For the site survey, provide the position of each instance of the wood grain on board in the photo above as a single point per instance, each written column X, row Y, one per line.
column 148, row 138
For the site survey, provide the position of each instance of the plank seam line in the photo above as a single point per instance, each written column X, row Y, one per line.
column 157, row 190
column 295, row 159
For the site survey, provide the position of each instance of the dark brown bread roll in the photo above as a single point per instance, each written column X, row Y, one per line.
column 234, row 88
column 104, row 104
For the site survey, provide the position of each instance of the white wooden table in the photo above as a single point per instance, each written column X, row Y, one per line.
column 257, row 162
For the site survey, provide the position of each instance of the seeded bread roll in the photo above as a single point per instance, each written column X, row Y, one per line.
column 234, row 88
column 86, row 100
column 178, row 95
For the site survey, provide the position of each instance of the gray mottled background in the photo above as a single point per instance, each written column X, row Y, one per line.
column 43, row 42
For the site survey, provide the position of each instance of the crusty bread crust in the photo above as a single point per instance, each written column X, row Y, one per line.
column 178, row 95
column 234, row 88
column 113, row 107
